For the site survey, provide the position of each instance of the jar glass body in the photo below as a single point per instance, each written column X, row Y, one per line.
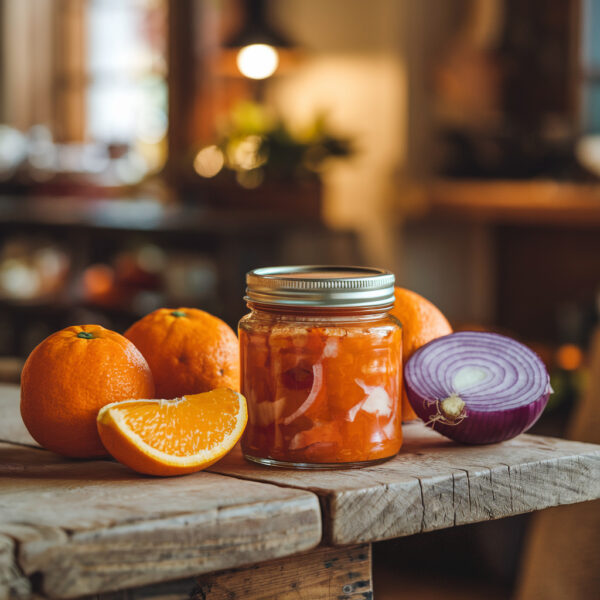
column 323, row 386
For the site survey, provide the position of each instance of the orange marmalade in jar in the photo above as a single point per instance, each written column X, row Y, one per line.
column 321, row 367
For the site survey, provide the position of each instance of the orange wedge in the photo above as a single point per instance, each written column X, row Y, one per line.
column 173, row 437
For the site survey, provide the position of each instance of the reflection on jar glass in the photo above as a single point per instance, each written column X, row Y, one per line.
column 321, row 367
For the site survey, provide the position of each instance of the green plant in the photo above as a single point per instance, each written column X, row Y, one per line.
column 259, row 145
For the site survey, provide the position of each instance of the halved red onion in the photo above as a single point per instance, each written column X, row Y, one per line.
column 476, row 387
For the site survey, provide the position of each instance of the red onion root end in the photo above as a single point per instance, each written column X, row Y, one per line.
column 449, row 411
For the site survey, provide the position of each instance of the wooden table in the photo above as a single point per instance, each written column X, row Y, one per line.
column 240, row 531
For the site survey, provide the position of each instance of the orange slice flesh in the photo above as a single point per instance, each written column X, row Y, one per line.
column 173, row 437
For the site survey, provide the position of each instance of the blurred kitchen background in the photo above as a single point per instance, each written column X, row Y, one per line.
column 153, row 151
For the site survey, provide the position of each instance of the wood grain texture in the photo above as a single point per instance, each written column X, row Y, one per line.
column 89, row 527
column 435, row 483
column 322, row 574
column 13, row 583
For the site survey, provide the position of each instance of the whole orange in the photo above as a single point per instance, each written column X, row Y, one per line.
column 421, row 322
column 189, row 351
column 69, row 377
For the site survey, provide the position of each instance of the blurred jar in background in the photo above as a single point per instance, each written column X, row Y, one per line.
column 32, row 269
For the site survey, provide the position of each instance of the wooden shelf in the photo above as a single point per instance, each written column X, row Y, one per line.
column 142, row 215
column 511, row 202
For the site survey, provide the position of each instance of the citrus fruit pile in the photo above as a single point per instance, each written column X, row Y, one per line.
column 86, row 389
column 162, row 398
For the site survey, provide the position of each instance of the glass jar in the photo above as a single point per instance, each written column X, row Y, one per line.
column 321, row 367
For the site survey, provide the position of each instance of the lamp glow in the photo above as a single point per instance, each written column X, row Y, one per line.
column 257, row 61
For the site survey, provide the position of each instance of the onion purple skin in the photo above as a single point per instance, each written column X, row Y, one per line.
column 479, row 427
column 491, row 429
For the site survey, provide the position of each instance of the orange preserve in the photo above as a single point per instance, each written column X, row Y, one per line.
column 321, row 367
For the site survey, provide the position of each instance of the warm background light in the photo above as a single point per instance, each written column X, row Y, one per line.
column 257, row 61
column 569, row 357
column 209, row 161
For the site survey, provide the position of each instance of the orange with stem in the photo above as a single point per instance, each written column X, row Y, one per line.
column 69, row 377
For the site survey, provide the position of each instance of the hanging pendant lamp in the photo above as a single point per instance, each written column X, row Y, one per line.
column 259, row 47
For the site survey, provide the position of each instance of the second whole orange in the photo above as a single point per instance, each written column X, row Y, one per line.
column 421, row 322
column 189, row 351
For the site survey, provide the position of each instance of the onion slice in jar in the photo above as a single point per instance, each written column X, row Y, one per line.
column 476, row 387
column 312, row 396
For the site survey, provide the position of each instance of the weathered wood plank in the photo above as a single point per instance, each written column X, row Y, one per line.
column 435, row 483
column 89, row 527
column 13, row 583
column 321, row 574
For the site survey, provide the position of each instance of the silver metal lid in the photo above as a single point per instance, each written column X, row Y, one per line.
column 318, row 285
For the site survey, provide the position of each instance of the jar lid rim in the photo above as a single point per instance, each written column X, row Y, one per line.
column 320, row 285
